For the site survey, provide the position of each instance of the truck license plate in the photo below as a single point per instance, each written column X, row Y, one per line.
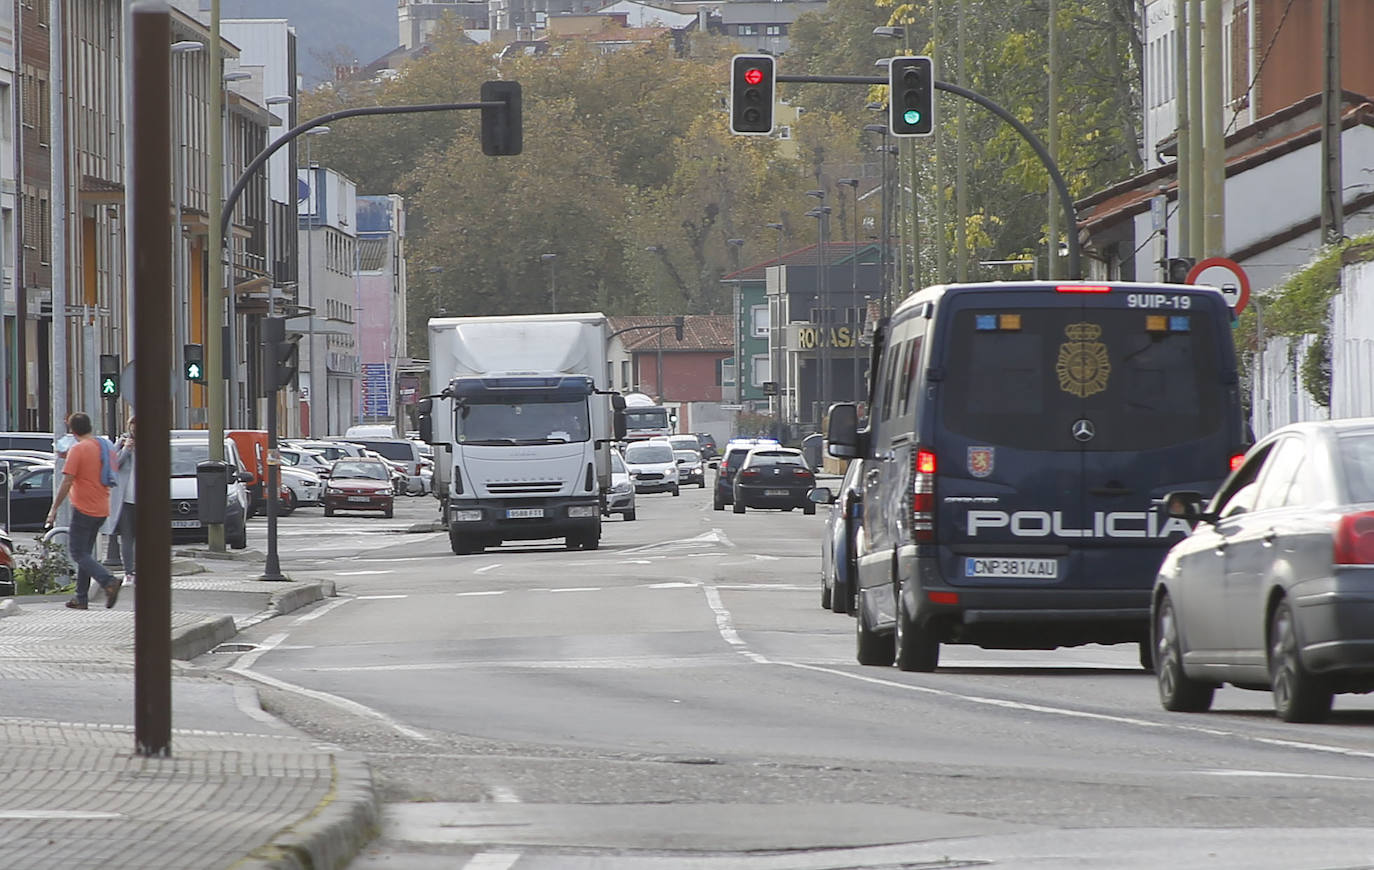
column 185, row 524
column 524, row 513
column 1030, row 569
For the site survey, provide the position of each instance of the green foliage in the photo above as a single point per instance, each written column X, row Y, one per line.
column 44, row 570
column 1316, row 370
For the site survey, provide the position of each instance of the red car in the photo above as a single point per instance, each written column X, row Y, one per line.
column 359, row 485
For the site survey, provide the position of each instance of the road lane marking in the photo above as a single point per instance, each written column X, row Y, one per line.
column 474, row 594
column 725, row 626
column 502, row 795
column 316, row 614
column 485, row 568
column 334, row 700
column 360, row 573
column 492, row 861
column 1277, row 775
column 578, row 589
column 671, row 585
column 380, row 597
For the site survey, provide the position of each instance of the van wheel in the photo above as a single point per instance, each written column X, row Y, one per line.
column 1177, row 691
column 825, row 594
column 872, row 648
column 1299, row 695
column 838, row 596
column 916, row 647
column 738, row 508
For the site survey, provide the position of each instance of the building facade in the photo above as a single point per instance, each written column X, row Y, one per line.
column 381, row 313
column 329, row 302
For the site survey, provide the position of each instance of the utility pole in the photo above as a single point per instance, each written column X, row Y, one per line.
column 938, row 234
column 961, row 172
column 1333, row 200
column 214, row 335
column 1052, row 136
column 1184, row 138
column 57, row 153
column 1213, row 138
column 1195, row 190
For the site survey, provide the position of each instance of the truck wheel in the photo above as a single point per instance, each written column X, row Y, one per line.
column 463, row 545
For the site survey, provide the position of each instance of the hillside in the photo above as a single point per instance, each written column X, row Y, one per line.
column 327, row 31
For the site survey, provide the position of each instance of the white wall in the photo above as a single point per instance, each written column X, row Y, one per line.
column 1352, row 343
column 1277, row 394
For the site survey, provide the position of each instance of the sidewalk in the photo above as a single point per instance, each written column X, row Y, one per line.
column 241, row 789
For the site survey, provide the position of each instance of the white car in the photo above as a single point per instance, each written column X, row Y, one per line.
column 621, row 498
column 304, row 486
column 652, row 466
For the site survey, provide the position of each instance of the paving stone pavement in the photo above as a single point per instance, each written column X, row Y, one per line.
column 76, row 794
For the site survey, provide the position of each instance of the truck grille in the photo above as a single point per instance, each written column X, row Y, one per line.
column 526, row 488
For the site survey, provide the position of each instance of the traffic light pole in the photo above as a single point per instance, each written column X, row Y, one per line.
column 1071, row 216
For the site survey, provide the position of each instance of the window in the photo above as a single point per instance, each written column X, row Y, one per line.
column 1283, row 482
column 625, row 374
column 747, row 30
column 758, row 316
column 773, row 30
column 727, row 372
column 760, row 370
column 1356, row 458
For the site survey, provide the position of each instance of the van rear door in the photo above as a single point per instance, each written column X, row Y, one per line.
column 1009, row 474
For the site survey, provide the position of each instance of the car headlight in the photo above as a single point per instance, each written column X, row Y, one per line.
column 623, row 486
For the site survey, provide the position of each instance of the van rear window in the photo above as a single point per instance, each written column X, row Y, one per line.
column 1024, row 381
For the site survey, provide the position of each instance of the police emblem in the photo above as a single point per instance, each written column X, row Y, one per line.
column 1083, row 366
column 980, row 461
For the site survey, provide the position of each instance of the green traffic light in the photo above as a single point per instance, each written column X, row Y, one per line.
column 108, row 387
column 911, row 116
column 193, row 372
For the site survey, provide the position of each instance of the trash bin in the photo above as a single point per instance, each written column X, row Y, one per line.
column 212, row 490
column 812, row 449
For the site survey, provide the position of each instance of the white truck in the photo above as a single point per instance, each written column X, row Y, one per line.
column 645, row 418
column 522, row 425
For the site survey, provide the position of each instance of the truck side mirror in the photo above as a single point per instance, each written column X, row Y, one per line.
column 619, row 421
column 617, row 402
column 426, row 420
column 842, row 432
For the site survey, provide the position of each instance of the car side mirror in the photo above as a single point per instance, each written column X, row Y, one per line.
column 1185, row 504
column 842, row 431
column 245, row 477
column 821, row 495
column 24, row 487
column 714, row 464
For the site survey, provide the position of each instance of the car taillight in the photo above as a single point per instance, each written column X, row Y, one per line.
column 1236, row 460
column 1354, row 540
column 801, row 472
column 749, row 472
column 923, row 496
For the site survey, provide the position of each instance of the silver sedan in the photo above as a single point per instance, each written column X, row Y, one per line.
column 1274, row 589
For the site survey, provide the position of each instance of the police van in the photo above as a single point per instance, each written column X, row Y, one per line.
column 1017, row 439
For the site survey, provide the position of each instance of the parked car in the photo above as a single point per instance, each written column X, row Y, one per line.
column 330, row 450
column 399, row 450
column 837, row 544
column 7, row 584
column 1274, row 589
column 735, row 451
column 300, row 487
column 774, row 477
column 685, row 442
column 621, row 498
column 709, row 449
column 21, row 459
column 40, row 441
column 299, row 457
column 690, row 468
column 359, row 485
column 652, row 466
column 189, row 447
column 30, row 498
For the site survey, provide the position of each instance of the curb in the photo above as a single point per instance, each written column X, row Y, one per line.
column 334, row 832
column 294, row 599
column 421, row 528
column 202, row 637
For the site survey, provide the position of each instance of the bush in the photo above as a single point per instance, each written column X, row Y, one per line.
column 44, row 570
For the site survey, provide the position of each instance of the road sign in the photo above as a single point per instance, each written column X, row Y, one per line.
column 1225, row 275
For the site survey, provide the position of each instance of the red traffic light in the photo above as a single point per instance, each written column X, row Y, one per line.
column 753, row 76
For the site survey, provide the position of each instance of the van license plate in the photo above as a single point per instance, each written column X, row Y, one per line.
column 185, row 524
column 524, row 513
column 768, row 492
column 1031, row 569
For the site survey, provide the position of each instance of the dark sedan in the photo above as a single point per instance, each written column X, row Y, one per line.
column 837, row 544
column 30, row 498
column 1274, row 589
column 774, row 477
column 359, row 485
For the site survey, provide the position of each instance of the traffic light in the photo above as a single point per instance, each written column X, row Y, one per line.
column 109, row 376
column 678, row 323
column 279, row 356
column 193, row 363
column 501, row 127
column 911, row 100
column 753, row 88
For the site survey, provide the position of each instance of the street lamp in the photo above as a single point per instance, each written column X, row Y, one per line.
column 312, row 203
column 181, row 319
column 552, row 260
column 853, row 185
column 232, row 380
column 822, row 302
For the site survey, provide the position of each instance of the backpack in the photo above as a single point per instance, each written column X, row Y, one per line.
column 107, row 465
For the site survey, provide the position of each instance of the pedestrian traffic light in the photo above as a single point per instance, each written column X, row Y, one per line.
column 501, row 125
column 193, row 363
column 279, row 354
column 753, row 88
column 678, row 323
column 911, row 101
column 109, row 376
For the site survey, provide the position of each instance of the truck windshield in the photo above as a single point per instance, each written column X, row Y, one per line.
column 646, row 418
column 522, row 423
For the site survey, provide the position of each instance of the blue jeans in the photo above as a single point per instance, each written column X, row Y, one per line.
column 81, row 538
column 127, row 517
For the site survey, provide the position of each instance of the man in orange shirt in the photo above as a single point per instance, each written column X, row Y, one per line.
column 81, row 477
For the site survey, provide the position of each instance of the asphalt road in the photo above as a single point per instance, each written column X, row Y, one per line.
column 678, row 699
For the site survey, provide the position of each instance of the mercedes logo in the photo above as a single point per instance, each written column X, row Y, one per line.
column 1083, row 430
column 184, row 507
